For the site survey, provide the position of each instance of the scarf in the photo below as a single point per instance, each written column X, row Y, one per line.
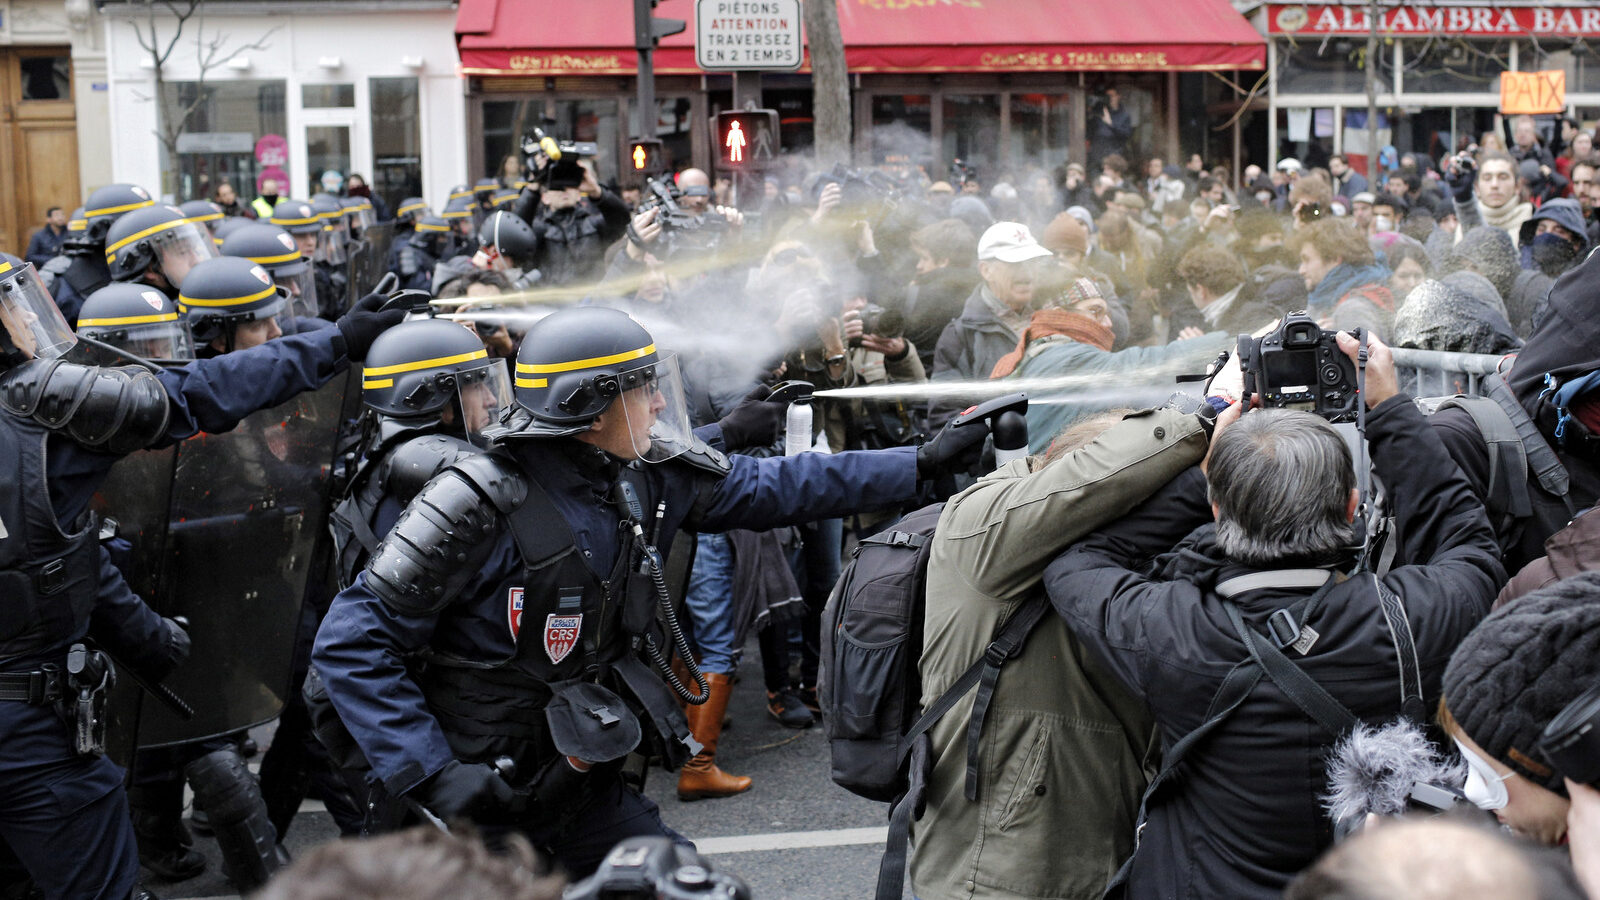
column 1506, row 216
column 1046, row 322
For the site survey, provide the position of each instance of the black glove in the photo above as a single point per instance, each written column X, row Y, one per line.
column 363, row 323
column 754, row 422
column 1460, row 179
column 952, row 450
column 466, row 790
column 178, row 643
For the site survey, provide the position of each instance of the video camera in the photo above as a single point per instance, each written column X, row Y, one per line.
column 557, row 154
column 1300, row 366
column 864, row 193
column 681, row 231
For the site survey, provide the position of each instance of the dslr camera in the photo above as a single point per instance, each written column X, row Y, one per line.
column 863, row 193
column 681, row 231
column 875, row 320
column 1300, row 366
column 654, row 868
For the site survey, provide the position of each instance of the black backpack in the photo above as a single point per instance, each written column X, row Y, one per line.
column 871, row 685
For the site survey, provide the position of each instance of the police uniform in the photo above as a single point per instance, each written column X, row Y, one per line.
column 533, row 590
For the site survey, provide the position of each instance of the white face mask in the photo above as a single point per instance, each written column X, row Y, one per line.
column 1484, row 788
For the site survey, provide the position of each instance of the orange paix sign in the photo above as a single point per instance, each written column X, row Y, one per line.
column 1533, row 93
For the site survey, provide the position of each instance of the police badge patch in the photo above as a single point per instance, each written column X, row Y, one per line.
column 561, row 635
column 514, row 611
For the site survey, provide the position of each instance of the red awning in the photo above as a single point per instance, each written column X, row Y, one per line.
column 595, row 37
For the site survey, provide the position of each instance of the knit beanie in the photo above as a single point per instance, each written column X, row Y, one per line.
column 1065, row 232
column 1520, row 667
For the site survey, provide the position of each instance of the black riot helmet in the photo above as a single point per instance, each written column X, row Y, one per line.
column 431, row 233
column 275, row 250
column 109, row 203
column 504, row 234
column 223, row 294
column 574, row 363
column 504, row 197
column 459, row 192
column 296, row 217
column 415, row 370
column 219, row 234
column 31, row 325
column 136, row 318
column 411, row 209
column 203, row 213
column 160, row 238
column 483, row 188
column 357, row 214
column 330, row 249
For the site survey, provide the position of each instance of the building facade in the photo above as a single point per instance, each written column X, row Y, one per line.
column 293, row 90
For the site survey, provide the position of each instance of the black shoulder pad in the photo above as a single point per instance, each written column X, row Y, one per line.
column 439, row 542
column 107, row 409
column 498, row 477
column 705, row 458
column 415, row 462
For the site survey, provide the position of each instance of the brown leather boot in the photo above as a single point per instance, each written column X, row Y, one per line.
column 700, row 778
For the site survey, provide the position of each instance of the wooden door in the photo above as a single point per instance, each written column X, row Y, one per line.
column 38, row 141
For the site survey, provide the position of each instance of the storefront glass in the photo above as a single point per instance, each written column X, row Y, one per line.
column 396, row 139
column 1039, row 129
column 1455, row 65
column 1334, row 66
column 221, row 134
column 589, row 120
column 972, row 131
column 902, row 127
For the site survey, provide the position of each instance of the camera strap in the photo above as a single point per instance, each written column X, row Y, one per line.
column 1364, row 512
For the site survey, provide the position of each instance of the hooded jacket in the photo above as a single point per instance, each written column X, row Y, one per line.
column 1437, row 316
column 1565, row 344
column 1572, row 550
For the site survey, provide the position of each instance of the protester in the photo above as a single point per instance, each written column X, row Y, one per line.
column 997, row 312
column 45, row 244
column 1491, row 197
column 1348, row 289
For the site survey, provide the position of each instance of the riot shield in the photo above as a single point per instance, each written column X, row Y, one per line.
column 247, row 513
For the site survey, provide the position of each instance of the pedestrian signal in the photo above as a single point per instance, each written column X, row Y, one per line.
column 747, row 139
column 644, row 156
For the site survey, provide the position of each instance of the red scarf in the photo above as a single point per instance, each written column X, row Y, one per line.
column 1047, row 322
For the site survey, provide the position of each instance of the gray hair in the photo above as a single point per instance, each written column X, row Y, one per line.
column 1281, row 480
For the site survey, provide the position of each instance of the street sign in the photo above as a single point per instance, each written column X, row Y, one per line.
column 748, row 35
column 746, row 139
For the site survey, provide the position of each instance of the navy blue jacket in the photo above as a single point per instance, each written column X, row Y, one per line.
column 362, row 647
column 44, row 246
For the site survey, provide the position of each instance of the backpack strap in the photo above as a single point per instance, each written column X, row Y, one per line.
column 984, row 672
column 1542, row 458
column 1303, row 690
column 1507, row 491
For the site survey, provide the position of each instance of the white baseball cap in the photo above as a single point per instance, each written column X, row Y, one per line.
column 1010, row 242
column 1290, row 164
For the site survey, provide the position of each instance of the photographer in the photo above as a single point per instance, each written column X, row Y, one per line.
column 573, row 218
column 1486, row 192
column 1245, row 816
column 879, row 353
column 1110, row 125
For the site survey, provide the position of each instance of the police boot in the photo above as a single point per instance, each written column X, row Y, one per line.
column 700, row 776
column 244, row 833
column 164, row 844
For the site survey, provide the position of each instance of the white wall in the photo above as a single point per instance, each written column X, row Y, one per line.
column 368, row 45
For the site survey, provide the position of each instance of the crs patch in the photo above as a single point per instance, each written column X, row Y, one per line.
column 514, row 611
column 561, row 635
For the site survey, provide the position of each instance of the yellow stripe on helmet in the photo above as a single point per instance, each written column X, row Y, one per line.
column 226, row 301
column 90, row 213
column 426, row 363
column 533, row 382
column 111, row 251
column 131, row 320
column 269, row 260
column 592, row 362
column 379, row 383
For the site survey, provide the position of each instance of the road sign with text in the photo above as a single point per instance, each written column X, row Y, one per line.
column 748, row 35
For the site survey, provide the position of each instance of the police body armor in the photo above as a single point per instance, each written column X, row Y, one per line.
column 397, row 467
column 573, row 626
column 48, row 577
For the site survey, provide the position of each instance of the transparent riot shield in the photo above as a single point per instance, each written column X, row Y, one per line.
column 247, row 515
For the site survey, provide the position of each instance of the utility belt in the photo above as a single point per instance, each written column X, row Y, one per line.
column 78, row 690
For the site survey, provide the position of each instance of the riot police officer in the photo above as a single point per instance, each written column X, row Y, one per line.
column 203, row 213
column 463, row 225
column 419, row 254
column 157, row 245
column 276, row 250
column 411, row 210
column 228, row 226
column 530, row 577
column 332, row 252
column 505, row 244
column 88, row 271
column 574, row 218
column 137, row 319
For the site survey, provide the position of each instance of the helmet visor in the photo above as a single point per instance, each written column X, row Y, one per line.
column 161, row 341
column 179, row 249
column 302, row 288
column 330, row 243
column 483, row 395
column 657, row 412
column 31, row 321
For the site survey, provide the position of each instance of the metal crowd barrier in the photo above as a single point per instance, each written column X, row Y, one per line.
column 1438, row 373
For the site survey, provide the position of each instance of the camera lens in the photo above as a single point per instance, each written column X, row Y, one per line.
column 1571, row 740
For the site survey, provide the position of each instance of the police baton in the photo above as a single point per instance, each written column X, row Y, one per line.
column 155, row 688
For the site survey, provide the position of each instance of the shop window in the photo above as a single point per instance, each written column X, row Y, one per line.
column 46, row 77
column 795, row 124
column 902, row 127
column 1334, row 66
column 972, row 132
column 590, row 120
column 1437, row 65
column 327, row 96
column 396, row 139
column 1581, row 62
column 1039, row 130
column 504, row 124
column 327, row 150
column 234, row 132
column 674, row 127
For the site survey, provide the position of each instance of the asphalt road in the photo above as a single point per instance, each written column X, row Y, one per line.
column 794, row 834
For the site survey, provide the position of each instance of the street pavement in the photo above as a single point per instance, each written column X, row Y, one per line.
column 794, row 835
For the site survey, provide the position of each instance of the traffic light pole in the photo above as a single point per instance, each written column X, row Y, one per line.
column 647, row 32
column 746, row 95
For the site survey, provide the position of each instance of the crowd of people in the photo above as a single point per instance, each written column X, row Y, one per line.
column 1231, row 660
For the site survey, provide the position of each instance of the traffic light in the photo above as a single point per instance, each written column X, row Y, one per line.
column 647, row 29
column 747, row 139
column 644, row 156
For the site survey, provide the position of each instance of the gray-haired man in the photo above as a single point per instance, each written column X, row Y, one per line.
column 1243, row 816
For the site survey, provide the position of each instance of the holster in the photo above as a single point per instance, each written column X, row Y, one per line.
column 89, row 677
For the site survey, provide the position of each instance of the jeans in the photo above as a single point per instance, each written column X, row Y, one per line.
column 710, row 601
